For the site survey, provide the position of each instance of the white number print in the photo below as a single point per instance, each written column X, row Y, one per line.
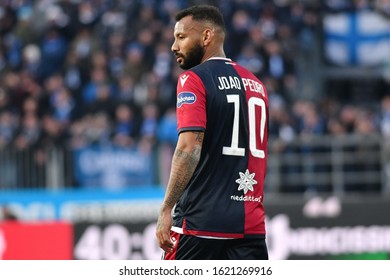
column 253, row 102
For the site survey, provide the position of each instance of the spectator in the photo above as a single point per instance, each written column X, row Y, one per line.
column 53, row 133
column 74, row 74
column 134, row 63
column 29, row 133
column 149, row 123
column 167, row 130
column 31, row 60
column 8, row 127
column 279, row 66
column 54, row 48
column 103, row 102
column 63, row 107
column 99, row 81
column 251, row 59
column 98, row 128
column 126, row 89
column 125, row 127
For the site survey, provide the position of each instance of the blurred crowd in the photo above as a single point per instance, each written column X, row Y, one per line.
column 81, row 72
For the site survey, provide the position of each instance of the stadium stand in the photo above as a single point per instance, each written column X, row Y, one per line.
column 76, row 73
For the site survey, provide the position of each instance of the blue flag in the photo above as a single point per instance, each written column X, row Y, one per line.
column 357, row 39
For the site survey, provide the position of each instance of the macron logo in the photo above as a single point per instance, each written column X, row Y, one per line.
column 183, row 79
column 185, row 98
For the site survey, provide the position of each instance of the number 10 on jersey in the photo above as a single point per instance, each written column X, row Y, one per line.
column 253, row 102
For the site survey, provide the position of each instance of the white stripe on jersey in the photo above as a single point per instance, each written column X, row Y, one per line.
column 180, row 231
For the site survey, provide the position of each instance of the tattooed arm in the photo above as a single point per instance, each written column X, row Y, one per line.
column 184, row 162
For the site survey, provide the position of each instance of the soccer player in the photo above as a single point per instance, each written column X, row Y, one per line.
column 213, row 205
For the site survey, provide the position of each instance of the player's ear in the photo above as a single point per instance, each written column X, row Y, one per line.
column 207, row 35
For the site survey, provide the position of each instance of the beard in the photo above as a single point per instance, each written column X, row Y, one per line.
column 193, row 58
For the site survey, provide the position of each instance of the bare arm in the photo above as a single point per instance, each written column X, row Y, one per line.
column 184, row 162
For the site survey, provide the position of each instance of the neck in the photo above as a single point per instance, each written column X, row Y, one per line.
column 215, row 53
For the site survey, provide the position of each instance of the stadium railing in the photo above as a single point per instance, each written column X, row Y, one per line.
column 310, row 164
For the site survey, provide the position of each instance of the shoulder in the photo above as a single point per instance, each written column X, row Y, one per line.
column 190, row 81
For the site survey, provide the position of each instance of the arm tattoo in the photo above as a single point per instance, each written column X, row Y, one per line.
column 199, row 137
column 183, row 166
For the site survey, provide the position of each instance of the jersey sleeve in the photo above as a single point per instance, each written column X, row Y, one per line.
column 191, row 103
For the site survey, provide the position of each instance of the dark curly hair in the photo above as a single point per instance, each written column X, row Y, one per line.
column 203, row 13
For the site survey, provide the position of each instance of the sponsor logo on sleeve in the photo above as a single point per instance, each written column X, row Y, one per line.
column 185, row 98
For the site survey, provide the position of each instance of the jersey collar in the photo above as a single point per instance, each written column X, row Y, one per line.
column 219, row 58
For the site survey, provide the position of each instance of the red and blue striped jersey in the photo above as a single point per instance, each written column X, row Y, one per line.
column 224, row 197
